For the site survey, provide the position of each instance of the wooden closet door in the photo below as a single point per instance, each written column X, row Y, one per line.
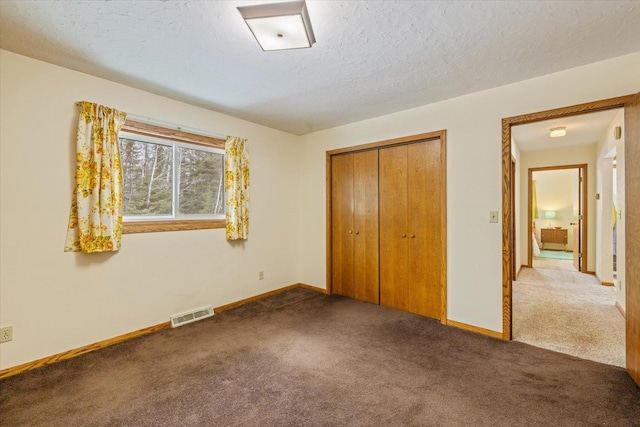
column 366, row 260
column 424, row 228
column 342, row 207
column 394, row 248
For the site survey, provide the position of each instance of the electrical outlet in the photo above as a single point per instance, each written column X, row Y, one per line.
column 261, row 275
column 6, row 333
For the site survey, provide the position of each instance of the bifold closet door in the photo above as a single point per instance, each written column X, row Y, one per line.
column 366, row 255
column 411, row 227
column 354, row 225
column 342, row 206
column 424, row 181
column 394, row 245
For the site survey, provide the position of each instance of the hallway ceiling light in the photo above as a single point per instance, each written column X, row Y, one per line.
column 558, row 132
column 279, row 26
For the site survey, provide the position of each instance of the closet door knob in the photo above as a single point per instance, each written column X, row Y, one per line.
column 350, row 232
column 357, row 232
column 413, row 236
column 404, row 235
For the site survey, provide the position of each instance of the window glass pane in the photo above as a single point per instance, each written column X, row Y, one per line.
column 201, row 184
column 148, row 177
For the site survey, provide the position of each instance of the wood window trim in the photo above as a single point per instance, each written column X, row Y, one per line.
column 148, row 129
column 176, row 135
column 133, row 227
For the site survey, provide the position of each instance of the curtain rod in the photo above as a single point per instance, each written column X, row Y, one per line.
column 169, row 125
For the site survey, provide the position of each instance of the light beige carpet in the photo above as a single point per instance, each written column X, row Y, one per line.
column 554, row 264
column 568, row 312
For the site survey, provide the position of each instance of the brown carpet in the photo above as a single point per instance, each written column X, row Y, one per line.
column 303, row 358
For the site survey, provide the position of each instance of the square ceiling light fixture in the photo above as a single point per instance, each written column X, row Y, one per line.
column 279, row 26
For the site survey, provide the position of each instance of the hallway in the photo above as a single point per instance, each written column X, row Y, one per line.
column 569, row 312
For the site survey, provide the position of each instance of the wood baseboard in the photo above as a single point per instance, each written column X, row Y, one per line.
column 620, row 309
column 266, row 294
column 476, row 329
column 80, row 350
column 313, row 288
column 607, row 284
column 135, row 334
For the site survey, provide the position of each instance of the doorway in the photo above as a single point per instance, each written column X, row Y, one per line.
column 558, row 217
column 555, row 304
column 631, row 103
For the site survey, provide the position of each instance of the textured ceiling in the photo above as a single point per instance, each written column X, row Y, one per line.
column 372, row 57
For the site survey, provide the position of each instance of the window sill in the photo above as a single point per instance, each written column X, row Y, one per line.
column 171, row 225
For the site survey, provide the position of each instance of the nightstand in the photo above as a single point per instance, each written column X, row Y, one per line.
column 554, row 235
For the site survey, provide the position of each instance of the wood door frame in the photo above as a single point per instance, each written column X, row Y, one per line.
column 507, row 237
column 585, row 214
column 440, row 135
column 514, row 269
column 632, row 229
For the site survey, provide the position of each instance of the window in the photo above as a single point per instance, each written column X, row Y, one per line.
column 173, row 180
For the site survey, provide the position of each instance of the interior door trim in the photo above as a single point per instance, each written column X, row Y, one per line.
column 507, row 123
column 585, row 214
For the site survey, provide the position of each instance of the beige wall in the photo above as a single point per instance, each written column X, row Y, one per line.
column 57, row 301
column 473, row 124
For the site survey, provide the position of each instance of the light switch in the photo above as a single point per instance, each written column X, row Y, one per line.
column 493, row 216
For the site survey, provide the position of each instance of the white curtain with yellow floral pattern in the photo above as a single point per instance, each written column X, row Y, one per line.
column 237, row 188
column 95, row 221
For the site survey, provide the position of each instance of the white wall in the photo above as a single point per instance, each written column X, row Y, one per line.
column 619, row 201
column 607, row 149
column 554, row 189
column 519, row 234
column 473, row 124
column 604, row 222
column 57, row 301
